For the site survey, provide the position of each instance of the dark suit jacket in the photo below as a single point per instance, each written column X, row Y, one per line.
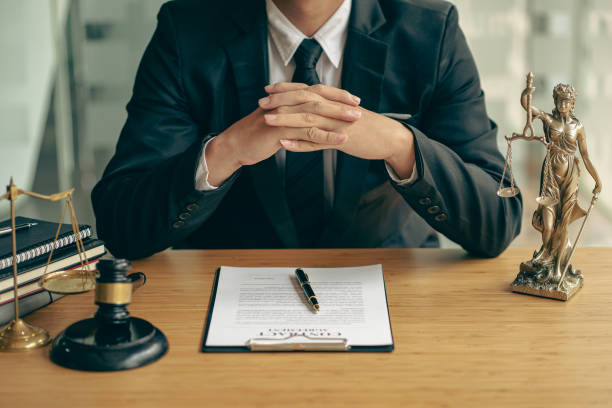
column 205, row 68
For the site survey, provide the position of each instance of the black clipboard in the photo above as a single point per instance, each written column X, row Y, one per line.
column 336, row 345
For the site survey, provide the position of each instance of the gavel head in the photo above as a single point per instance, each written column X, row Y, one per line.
column 113, row 291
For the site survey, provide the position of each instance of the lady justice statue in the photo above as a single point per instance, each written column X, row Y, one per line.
column 549, row 273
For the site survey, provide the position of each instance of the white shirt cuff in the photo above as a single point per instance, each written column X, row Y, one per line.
column 413, row 177
column 201, row 176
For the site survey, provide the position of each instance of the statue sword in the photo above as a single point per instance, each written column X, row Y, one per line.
column 595, row 196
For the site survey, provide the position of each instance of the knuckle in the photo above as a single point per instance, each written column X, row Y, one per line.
column 316, row 106
column 308, row 117
column 345, row 94
column 318, row 88
column 311, row 133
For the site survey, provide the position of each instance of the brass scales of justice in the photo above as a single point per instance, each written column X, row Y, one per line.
column 19, row 335
column 549, row 272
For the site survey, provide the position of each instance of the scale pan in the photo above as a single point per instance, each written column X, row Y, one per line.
column 547, row 201
column 69, row 281
column 508, row 192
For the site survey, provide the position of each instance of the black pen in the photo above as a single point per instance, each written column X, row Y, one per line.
column 8, row 230
column 305, row 284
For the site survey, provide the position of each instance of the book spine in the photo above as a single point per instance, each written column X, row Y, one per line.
column 27, row 305
column 44, row 248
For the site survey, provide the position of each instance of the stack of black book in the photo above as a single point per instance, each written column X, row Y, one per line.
column 34, row 245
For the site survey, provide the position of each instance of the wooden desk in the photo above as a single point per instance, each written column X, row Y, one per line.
column 461, row 339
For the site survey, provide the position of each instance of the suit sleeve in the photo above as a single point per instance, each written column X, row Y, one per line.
column 458, row 161
column 146, row 200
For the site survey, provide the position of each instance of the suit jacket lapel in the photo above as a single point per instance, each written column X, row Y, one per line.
column 248, row 55
column 363, row 71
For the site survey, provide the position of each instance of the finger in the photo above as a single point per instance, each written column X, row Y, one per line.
column 315, row 135
column 335, row 94
column 303, row 146
column 328, row 92
column 303, row 120
column 284, row 87
column 289, row 98
column 328, row 109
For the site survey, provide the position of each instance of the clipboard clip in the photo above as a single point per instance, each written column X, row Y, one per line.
column 298, row 342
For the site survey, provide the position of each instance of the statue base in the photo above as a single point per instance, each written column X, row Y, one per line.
column 528, row 282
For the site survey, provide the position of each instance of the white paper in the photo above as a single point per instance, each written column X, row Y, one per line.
column 268, row 302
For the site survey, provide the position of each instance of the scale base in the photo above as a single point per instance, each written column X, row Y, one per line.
column 21, row 336
column 527, row 282
column 87, row 346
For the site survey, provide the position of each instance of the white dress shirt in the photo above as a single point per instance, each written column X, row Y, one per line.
column 283, row 40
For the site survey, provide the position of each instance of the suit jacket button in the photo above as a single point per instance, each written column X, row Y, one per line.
column 440, row 217
column 433, row 209
column 177, row 224
column 184, row 216
column 192, row 207
column 425, row 201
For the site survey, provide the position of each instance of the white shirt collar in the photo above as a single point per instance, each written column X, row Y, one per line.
column 287, row 37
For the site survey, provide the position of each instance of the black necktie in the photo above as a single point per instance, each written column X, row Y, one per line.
column 304, row 171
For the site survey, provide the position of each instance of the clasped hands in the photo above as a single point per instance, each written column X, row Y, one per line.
column 303, row 118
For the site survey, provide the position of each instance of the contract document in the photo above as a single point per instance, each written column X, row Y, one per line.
column 266, row 306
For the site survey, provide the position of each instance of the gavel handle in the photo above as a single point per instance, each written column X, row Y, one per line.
column 138, row 279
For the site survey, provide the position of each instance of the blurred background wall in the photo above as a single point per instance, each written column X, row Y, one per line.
column 67, row 69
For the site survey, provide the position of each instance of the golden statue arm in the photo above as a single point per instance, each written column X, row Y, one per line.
column 52, row 197
column 587, row 161
column 4, row 197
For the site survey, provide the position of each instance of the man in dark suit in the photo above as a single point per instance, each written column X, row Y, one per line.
column 305, row 123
